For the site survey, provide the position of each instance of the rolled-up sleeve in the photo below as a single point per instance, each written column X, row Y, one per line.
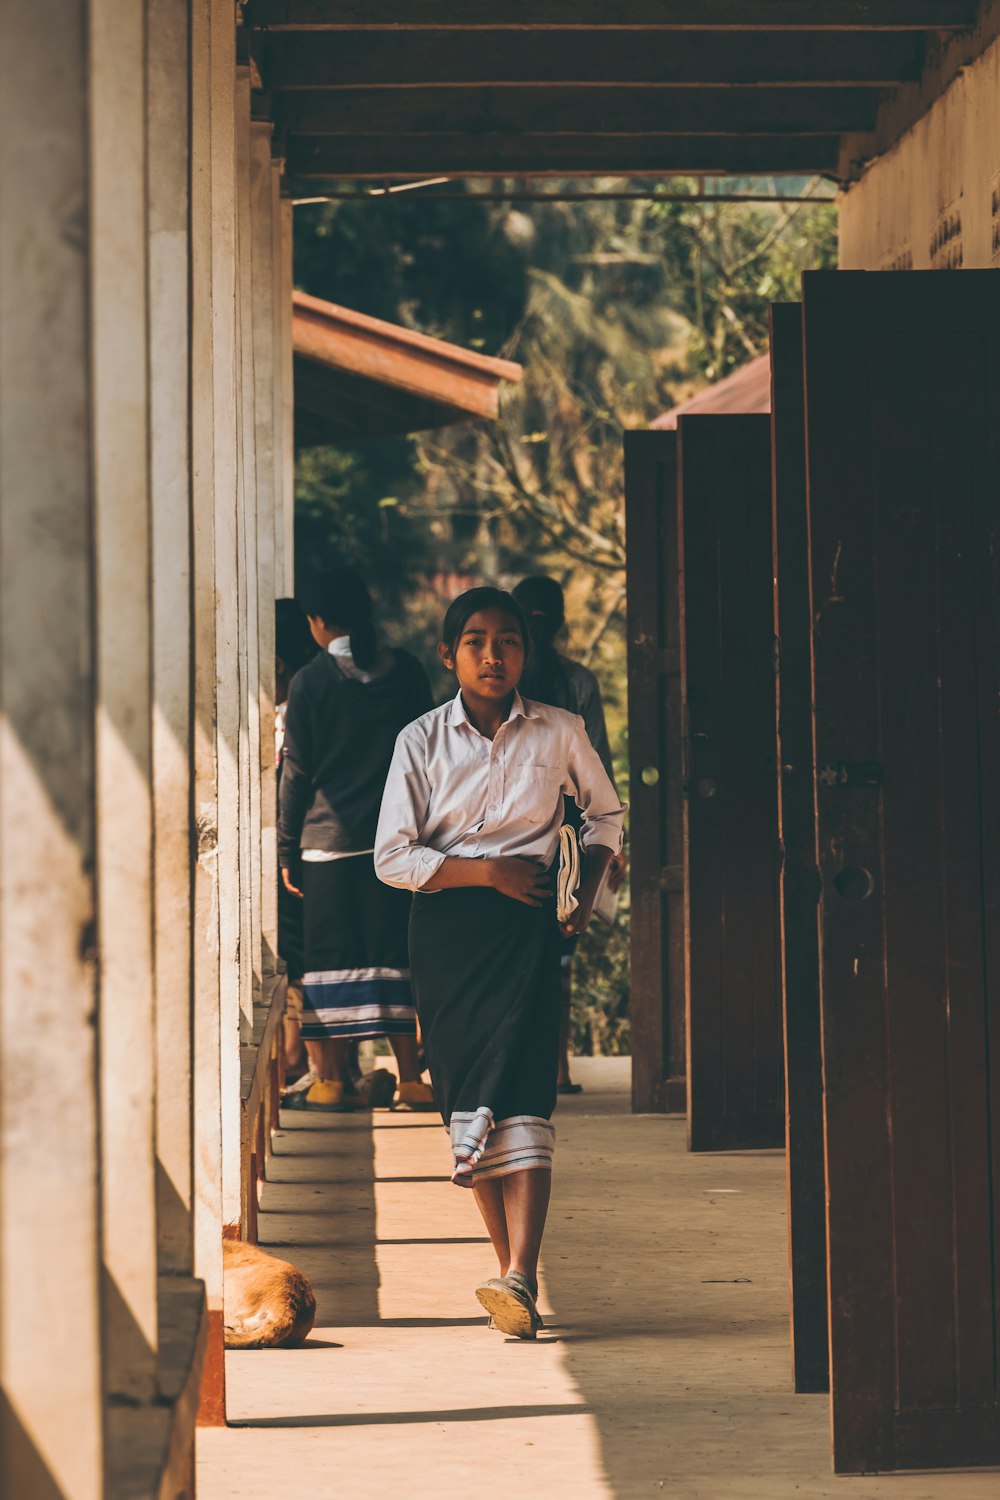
column 400, row 858
column 594, row 793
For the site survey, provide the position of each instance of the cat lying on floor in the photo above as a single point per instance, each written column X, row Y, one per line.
column 268, row 1303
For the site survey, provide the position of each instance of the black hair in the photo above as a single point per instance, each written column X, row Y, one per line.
column 293, row 641
column 461, row 610
column 545, row 607
column 339, row 596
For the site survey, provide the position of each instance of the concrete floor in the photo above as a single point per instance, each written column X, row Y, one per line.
column 664, row 1370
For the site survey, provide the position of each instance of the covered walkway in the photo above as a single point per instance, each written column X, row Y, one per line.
column 664, row 1370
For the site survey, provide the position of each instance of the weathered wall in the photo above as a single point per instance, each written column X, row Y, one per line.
column 932, row 199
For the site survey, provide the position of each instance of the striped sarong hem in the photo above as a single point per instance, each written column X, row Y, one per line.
column 482, row 1150
column 357, row 1003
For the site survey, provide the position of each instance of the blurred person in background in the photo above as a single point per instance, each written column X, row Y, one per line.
column 550, row 677
column 345, row 709
column 293, row 647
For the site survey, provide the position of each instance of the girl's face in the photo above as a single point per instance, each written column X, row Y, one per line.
column 488, row 656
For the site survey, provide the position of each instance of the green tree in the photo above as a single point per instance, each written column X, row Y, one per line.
column 616, row 310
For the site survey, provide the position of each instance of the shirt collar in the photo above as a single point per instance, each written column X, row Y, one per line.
column 519, row 709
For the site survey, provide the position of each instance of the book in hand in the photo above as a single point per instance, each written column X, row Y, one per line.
column 606, row 904
column 568, row 880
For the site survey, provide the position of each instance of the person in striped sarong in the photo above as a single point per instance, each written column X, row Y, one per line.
column 470, row 823
column 345, row 709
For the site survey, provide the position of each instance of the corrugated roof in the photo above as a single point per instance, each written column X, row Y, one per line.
column 746, row 390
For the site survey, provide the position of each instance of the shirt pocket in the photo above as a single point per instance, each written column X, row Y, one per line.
column 534, row 792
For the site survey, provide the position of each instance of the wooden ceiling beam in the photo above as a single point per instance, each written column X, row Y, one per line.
column 455, row 59
column 331, row 159
column 575, row 111
column 643, row 15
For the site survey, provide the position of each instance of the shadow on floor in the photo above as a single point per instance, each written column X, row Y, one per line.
column 666, row 1277
column 317, row 1210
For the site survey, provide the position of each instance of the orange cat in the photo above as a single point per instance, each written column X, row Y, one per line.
column 268, row 1302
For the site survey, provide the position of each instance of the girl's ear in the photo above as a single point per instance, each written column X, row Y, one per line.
column 445, row 654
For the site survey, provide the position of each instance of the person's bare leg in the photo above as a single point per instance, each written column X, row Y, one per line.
column 489, row 1197
column 407, row 1058
column 526, row 1203
column 566, row 998
column 293, row 1041
column 328, row 1059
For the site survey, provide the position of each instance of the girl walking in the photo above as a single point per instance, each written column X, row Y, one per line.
column 470, row 821
column 345, row 708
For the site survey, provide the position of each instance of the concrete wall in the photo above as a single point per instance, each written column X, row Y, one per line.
column 145, row 507
column 931, row 199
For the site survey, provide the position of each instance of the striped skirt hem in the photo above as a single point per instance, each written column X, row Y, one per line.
column 357, row 1003
column 482, row 1149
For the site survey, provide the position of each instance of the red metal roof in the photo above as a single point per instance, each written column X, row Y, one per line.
column 358, row 377
column 746, row 390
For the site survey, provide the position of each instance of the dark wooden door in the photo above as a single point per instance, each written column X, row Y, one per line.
column 735, row 1094
column 656, row 819
column 799, row 875
column 903, row 416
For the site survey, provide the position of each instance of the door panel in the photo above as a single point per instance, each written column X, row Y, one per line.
column 799, row 878
column 903, row 405
column 735, row 1095
column 657, row 817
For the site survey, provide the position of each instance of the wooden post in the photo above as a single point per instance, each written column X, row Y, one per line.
column 800, row 877
column 659, row 808
column 735, row 1071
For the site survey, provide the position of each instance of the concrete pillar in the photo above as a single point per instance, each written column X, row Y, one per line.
column 168, row 106
column 207, row 1091
column 227, row 585
column 250, row 764
column 50, row 1337
column 285, row 506
column 262, row 209
column 119, row 459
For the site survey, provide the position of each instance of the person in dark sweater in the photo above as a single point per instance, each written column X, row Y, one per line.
column 293, row 647
column 345, row 709
column 553, row 678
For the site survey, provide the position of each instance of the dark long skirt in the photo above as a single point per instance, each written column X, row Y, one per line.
column 290, row 939
column 485, row 972
column 357, row 977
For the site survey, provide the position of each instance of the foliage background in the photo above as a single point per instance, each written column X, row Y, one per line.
column 617, row 310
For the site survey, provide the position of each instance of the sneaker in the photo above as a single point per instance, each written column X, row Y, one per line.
column 301, row 1085
column 327, row 1094
column 417, row 1095
column 510, row 1303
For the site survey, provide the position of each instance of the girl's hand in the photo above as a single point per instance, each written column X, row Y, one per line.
column 581, row 917
column 596, row 860
column 286, row 876
column 521, row 879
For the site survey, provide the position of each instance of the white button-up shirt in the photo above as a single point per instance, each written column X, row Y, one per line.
column 453, row 792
